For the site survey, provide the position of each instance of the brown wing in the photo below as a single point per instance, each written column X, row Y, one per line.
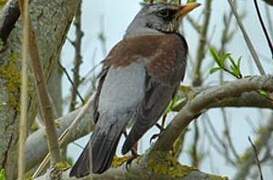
column 164, row 72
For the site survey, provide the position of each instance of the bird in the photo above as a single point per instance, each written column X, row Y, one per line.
column 139, row 78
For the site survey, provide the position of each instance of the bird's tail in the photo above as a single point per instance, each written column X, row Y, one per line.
column 82, row 166
column 100, row 150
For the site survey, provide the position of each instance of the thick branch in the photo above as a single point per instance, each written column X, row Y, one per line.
column 202, row 101
column 141, row 169
column 38, row 138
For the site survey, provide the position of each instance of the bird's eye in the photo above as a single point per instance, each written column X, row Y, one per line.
column 164, row 13
column 167, row 14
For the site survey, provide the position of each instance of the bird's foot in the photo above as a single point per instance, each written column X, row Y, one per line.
column 158, row 134
column 130, row 159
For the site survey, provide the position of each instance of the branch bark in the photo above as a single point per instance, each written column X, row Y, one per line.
column 24, row 5
column 202, row 101
column 44, row 99
column 46, row 17
column 141, row 169
column 38, row 139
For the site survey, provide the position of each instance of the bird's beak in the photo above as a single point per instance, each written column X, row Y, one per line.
column 185, row 9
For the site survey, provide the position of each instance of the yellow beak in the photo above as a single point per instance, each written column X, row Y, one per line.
column 185, row 9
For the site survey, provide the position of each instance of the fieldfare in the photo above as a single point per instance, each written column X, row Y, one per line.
column 140, row 76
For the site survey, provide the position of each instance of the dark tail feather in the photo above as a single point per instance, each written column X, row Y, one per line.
column 101, row 149
column 82, row 166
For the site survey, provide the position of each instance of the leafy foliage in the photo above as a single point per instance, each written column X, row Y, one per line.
column 226, row 63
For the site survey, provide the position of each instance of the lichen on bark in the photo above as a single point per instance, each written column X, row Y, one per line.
column 46, row 17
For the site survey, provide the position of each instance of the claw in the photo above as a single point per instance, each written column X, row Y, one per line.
column 153, row 137
column 161, row 128
column 130, row 160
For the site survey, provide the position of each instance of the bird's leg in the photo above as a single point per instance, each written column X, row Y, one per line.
column 133, row 156
column 133, row 151
column 160, row 127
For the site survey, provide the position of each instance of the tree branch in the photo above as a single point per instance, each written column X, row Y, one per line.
column 142, row 169
column 44, row 100
column 77, row 59
column 24, row 5
column 38, row 139
column 206, row 99
column 270, row 45
column 65, row 135
column 197, row 79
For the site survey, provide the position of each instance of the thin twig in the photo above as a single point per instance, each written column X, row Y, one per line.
column 257, row 158
column 211, row 139
column 102, row 37
column 227, row 134
column 194, row 155
column 44, row 101
column 77, row 59
column 197, row 80
column 24, row 88
column 263, row 27
column 224, row 150
column 71, row 81
column 247, row 39
column 263, row 138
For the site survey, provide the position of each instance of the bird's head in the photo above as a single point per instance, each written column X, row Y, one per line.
column 160, row 17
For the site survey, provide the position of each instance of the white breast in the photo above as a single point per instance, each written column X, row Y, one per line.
column 123, row 89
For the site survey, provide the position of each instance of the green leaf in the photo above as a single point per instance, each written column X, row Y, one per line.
column 215, row 69
column 239, row 62
column 223, row 58
column 215, row 55
column 264, row 93
column 2, row 174
column 235, row 67
column 232, row 61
